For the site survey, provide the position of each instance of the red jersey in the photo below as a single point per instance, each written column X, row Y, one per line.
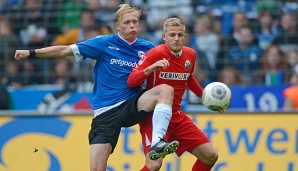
column 179, row 74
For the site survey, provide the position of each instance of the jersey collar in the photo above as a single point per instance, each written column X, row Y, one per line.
column 177, row 54
column 127, row 41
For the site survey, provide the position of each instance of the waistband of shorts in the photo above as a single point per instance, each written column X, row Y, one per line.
column 104, row 109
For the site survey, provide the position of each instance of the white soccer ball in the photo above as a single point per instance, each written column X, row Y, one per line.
column 217, row 96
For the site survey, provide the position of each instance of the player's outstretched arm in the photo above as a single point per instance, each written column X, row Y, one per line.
column 47, row 52
column 194, row 86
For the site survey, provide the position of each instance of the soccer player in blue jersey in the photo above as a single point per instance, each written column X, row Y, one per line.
column 116, row 105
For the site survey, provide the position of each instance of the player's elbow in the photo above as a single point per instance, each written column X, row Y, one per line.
column 136, row 78
column 130, row 82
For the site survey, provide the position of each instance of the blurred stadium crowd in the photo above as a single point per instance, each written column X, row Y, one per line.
column 237, row 41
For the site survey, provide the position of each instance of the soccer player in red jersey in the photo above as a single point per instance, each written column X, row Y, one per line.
column 173, row 64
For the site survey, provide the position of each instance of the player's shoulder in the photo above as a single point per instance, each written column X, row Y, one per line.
column 161, row 48
column 100, row 38
column 106, row 37
column 157, row 49
column 188, row 50
column 144, row 42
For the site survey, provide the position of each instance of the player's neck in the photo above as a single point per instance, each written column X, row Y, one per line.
column 128, row 40
column 177, row 54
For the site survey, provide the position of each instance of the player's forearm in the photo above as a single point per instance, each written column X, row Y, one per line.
column 194, row 86
column 54, row 51
column 148, row 70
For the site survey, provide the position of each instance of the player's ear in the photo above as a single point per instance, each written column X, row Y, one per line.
column 163, row 36
column 117, row 27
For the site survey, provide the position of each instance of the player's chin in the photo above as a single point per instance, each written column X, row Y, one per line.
column 177, row 47
column 132, row 35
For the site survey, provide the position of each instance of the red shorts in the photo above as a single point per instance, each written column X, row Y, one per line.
column 181, row 128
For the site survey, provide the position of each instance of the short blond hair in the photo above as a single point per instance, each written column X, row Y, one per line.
column 126, row 8
column 170, row 22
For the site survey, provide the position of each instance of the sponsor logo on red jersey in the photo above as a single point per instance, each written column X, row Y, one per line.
column 173, row 76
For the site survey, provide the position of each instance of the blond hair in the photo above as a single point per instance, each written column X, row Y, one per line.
column 125, row 8
column 170, row 22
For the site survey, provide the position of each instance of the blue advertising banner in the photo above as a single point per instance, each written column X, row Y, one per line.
column 51, row 100
column 257, row 98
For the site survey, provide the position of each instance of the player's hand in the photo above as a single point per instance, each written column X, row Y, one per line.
column 21, row 54
column 161, row 64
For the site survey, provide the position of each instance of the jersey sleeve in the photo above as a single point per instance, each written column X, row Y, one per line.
column 137, row 75
column 192, row 83
column 91, row 48
column 136, row 78
column 194, row 86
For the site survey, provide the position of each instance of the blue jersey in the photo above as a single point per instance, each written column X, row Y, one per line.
column 115, row 59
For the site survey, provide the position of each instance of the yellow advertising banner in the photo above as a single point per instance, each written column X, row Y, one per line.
column 250, row 142
column 245, row 142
